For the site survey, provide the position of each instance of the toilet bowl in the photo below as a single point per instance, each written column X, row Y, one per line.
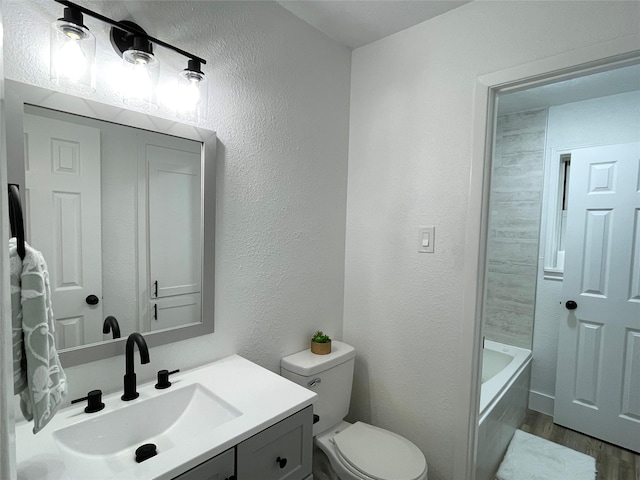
column 322, row 468
column 364, row 452
column 344, row 451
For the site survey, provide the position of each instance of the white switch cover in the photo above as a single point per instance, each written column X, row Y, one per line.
column 426, row 239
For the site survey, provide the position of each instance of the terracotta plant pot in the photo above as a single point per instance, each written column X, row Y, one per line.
column 320, row 348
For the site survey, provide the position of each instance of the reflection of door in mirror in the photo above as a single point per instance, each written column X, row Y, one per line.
column 117, row 212
column 174, row 218
column 62, row 179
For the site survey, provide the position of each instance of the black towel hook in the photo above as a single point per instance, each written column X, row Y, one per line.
column 16, row 219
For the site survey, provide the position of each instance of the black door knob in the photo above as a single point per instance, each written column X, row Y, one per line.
column 282, row 462
column 92, row 300
column 571, row 305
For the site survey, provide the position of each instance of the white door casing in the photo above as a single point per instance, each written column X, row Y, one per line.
column 598, row 370
column 62, row 182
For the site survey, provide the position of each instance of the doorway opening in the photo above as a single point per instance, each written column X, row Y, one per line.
column 546, row 249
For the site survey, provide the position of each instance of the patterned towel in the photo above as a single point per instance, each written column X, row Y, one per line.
column 37, row 374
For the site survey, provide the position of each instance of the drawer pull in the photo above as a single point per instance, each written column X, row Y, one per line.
column 282, row 462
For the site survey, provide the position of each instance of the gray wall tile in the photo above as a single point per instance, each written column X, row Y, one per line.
column 514, row 221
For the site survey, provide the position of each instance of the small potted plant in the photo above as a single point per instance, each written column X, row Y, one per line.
column 320, row 343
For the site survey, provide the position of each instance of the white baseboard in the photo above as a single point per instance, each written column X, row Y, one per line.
column 541, row 402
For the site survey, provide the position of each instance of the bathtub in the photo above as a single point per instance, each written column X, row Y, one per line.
column 501, row 367
column 506, row 374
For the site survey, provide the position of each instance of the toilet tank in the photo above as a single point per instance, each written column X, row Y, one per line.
column 330, row 376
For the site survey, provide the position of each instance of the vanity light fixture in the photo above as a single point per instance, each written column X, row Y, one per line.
column 141, row 67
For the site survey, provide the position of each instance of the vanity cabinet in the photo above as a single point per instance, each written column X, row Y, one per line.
column 220, row 467
column 230, row 418
column 281, row 452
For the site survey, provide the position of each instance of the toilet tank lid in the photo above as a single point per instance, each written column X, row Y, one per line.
column 307, row 364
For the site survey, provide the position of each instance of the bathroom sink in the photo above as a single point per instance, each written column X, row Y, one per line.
column 108, row 441
column 207, row 411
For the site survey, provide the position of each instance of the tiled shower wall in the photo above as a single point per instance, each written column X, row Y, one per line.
column 514, row 223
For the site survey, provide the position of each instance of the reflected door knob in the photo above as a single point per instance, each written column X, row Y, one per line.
column 571, row 305
column 92, row 300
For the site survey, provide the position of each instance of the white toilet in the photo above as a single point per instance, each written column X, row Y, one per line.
column 344, row 451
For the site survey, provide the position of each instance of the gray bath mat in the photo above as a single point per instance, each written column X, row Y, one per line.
column 533, row 458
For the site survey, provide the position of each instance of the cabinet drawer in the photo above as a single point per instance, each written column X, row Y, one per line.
column 220, row 467
column 281, row 452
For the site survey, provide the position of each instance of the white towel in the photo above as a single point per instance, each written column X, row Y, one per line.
column 37, row 373
column 533, row 458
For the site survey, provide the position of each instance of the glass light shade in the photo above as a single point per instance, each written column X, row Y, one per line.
column 73, row 55
column 192, row 96
column 141, row 73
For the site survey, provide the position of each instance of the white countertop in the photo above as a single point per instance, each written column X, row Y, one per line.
column 262, row 397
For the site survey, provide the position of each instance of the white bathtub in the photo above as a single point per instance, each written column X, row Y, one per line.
column 501, row 367
column 506, row 374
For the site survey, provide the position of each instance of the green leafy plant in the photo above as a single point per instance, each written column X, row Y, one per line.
column 320, row 337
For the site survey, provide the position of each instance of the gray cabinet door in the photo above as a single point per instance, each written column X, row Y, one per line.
column 220, row 467
column 281, row 452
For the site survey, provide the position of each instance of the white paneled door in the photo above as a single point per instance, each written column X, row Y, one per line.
column 174, row 218
column 598, row 372
column 62, row 176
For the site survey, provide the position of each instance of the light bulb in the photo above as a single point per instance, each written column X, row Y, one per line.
column 142, row 70
column 73, row 33
column 190, row 95
column 140, row 83
column 71, row 61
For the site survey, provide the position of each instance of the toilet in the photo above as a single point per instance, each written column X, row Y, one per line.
column 344, row 451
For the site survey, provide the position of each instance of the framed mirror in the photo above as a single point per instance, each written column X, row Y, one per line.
column 116, row 201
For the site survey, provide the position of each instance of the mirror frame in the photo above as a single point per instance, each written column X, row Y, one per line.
column 18, row 94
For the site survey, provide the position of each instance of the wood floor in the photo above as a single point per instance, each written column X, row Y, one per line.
column 612, row 463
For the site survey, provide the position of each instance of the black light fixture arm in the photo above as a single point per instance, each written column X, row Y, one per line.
column 132, row 30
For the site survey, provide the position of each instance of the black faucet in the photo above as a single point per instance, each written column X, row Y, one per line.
column 111, row 325
column 130, row 392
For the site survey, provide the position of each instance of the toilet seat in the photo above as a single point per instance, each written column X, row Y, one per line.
column 378, row 454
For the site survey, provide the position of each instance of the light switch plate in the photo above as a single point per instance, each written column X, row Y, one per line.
column 426, row 239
